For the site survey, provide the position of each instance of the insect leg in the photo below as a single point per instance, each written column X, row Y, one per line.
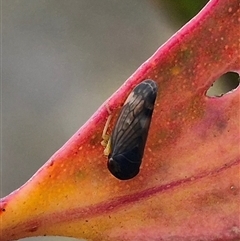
column 106, row 138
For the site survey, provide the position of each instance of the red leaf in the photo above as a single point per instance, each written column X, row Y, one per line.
column 188, row 186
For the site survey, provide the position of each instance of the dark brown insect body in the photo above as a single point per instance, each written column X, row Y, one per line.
column 130, row 133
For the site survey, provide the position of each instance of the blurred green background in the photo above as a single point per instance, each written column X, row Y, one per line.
column 61, row 59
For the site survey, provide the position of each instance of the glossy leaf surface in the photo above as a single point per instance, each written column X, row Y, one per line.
column 188, row 185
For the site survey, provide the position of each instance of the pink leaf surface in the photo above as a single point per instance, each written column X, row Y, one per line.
column 188, row 185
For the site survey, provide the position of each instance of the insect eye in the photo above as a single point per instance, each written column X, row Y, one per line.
column 113, row 166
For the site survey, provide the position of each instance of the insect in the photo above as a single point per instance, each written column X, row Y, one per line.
column 130, row 133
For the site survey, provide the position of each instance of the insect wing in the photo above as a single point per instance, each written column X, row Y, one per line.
column 130, row 133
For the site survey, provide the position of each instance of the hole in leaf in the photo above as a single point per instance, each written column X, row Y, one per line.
column 224, row 84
